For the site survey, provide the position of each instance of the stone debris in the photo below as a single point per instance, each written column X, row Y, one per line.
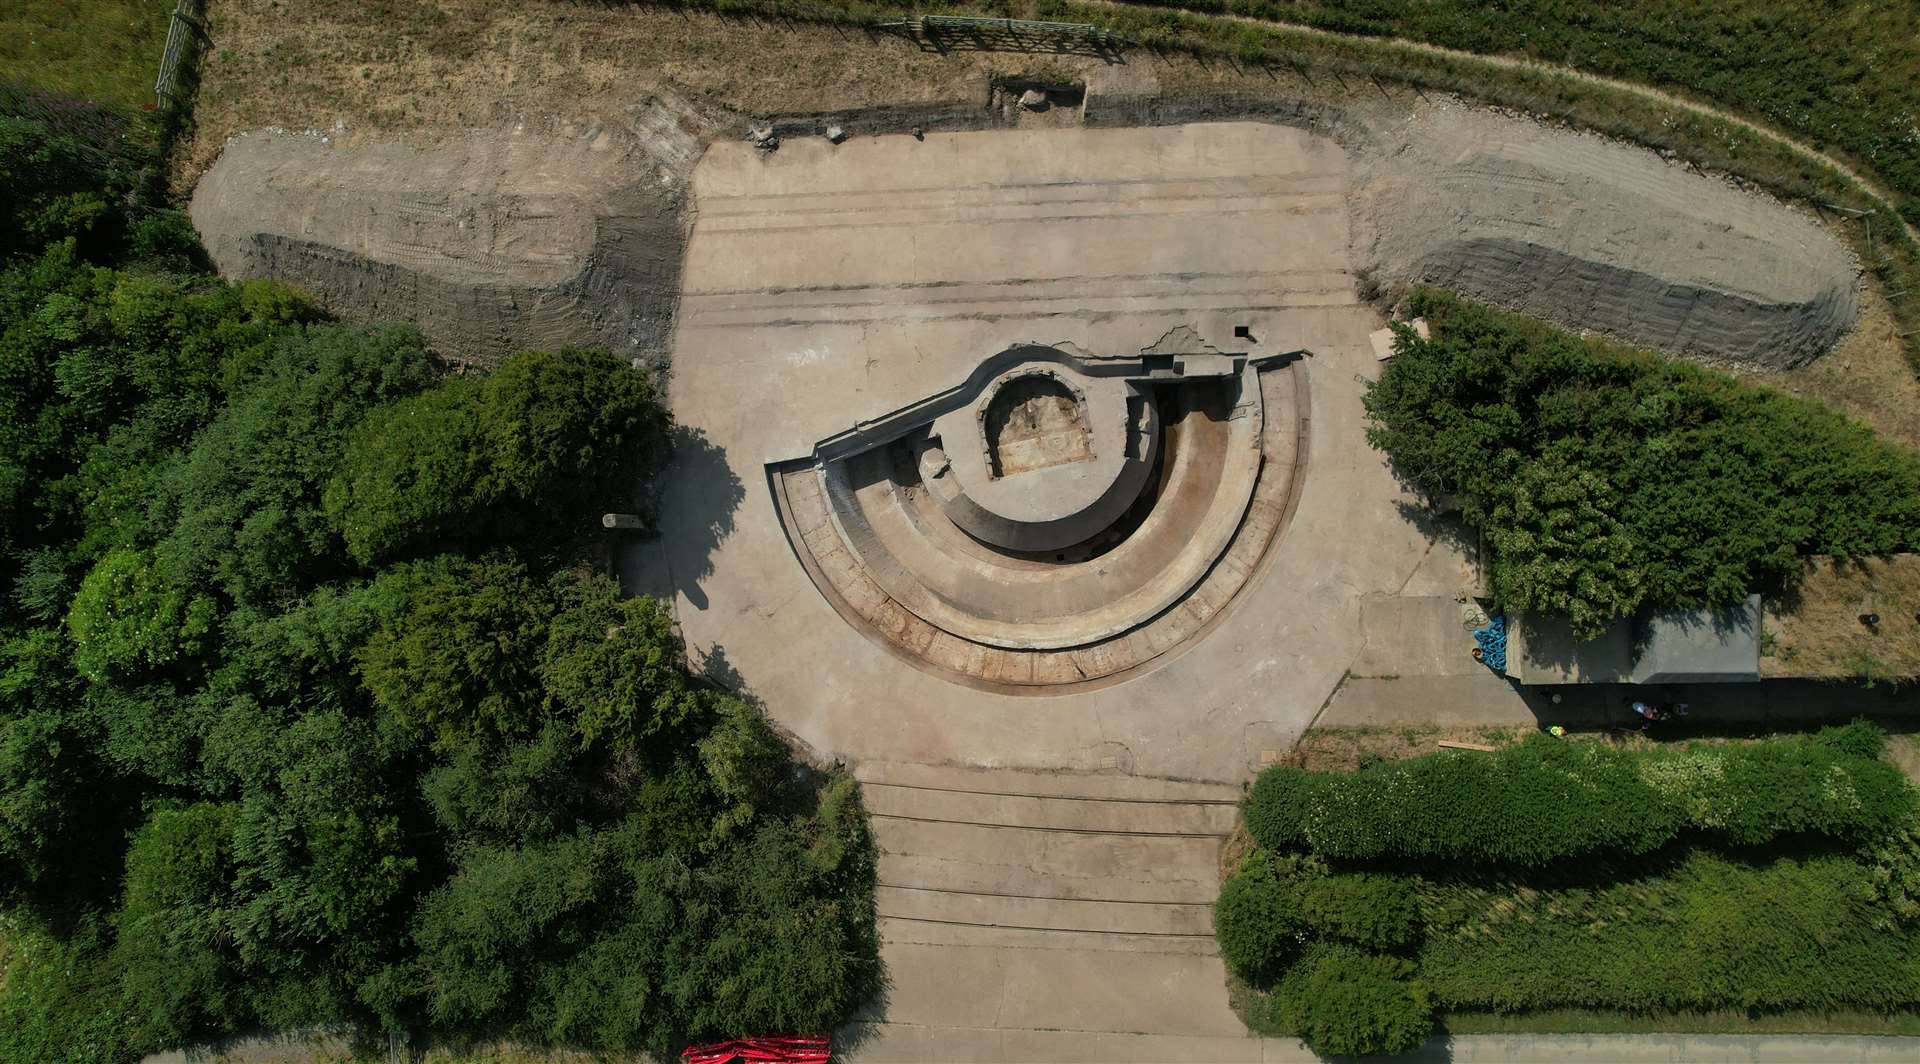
column 835, row 134
column 1034, row 100
column 764, row 138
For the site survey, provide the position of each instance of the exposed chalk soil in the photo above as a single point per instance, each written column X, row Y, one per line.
column 1595, row 234
column 492, row 241
column 573, row 232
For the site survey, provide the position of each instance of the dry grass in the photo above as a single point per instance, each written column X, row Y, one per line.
column 412, row 68
column 1866, row 376
column 1818, row 632
column 1347, row 749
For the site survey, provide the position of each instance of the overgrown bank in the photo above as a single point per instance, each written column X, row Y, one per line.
column 1609, row 480
column 314, row 707
column 1553, row 876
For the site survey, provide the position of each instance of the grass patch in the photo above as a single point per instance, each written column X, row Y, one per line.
column 106, row 51
column 1603, row 1021
column 1816, row 631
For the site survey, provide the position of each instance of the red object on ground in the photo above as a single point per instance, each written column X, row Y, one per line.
column 773, row 1049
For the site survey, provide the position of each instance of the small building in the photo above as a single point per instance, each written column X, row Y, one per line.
column 1676, row 646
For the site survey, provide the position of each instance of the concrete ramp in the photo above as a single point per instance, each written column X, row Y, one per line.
column 1018, row 906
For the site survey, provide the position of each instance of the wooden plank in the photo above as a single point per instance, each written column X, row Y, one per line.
column 1451, row 745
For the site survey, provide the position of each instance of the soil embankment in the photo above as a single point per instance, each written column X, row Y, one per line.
column 490, row 241
column 511, row 238
column 1596, row 234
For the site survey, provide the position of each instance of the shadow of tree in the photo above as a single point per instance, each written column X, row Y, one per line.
column 698, row 496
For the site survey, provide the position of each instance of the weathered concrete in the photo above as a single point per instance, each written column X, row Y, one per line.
column 913, row 258
column 1018, row 901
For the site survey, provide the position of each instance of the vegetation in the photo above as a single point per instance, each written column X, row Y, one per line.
column 1543, row 800
column 309, row 710
column 1608, row 480
column 101, row 50
column 1835, row 75
column 1641, row 890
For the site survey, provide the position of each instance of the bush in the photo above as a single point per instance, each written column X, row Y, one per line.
column 1348, row 1003
column 1537, row 801
column 1271, row 905
column 1750, row 793
column 1544, row 800
column 1367, row 909
column 1609, row 480
column 1709, row 934
column 1276, row 808
column 1257, row 921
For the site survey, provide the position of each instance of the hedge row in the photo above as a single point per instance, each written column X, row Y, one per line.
column 1711, row 934
column 1346, row 1002
column 1273, row 905
column 1544, row 800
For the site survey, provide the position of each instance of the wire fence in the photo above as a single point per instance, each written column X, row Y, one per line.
column 185, row 32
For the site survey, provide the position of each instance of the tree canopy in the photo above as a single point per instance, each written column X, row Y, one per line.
column 1609, row 479
column 314, row 709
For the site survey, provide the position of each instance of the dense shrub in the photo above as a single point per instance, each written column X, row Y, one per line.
column 1276, row 807
column 1349, row 1003
column 1711, row 934
column 1610, row 480
column 1272, row 905
column 1533, row 802
column 1368, row 909
column 1543, row 800
column 1749, row 793
column 1257, row 920
column 544, row 435
column 311, row 710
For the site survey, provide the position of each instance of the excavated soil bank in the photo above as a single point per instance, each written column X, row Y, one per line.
column 491, row 241
column 498, row 240
column 1596, row 234
column 1568, row 226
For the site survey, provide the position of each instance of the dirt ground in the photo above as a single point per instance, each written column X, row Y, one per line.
column 1867, row 375
column 1818, row 632
column 444, row 65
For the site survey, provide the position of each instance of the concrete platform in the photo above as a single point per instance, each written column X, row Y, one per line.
column 825, row 284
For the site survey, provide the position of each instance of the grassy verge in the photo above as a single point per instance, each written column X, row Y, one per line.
column 1597, row 1021
column 1840, row 77
column 105, row 51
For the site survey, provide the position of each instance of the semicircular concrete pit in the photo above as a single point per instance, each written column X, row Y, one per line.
column 839, row 301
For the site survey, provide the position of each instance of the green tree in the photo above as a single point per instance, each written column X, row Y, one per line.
column 527, row 447
column 615, row 666
column 132, row 614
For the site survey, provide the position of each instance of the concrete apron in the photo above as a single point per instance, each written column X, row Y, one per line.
column 1050, row 880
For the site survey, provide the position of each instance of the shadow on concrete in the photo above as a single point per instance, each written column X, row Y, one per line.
column 697, row 506
column 1725, row 709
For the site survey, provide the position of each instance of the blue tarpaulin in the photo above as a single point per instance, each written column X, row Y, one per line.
column 1493, row 644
